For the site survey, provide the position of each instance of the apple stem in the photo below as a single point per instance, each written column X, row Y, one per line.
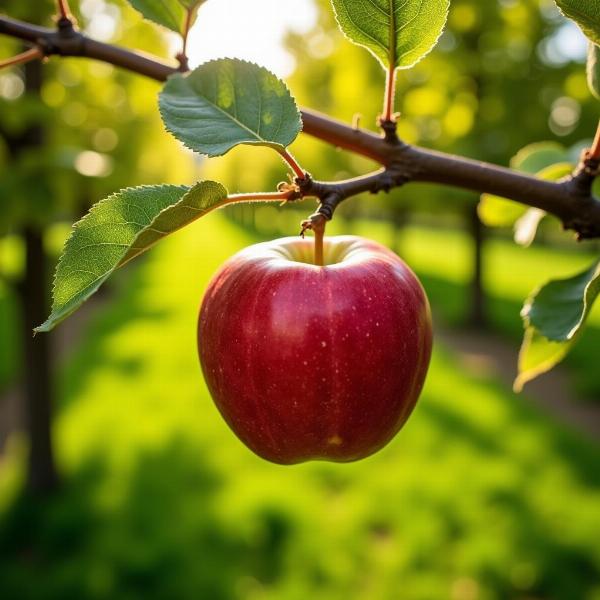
column 299, row 172
column 390, row 90
column 319, row 231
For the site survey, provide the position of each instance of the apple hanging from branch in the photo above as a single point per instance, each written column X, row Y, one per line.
column 310, row 362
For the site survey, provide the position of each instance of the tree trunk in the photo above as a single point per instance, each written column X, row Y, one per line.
column 477, row 314
column 37, row 385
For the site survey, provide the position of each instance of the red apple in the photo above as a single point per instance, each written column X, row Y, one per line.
column 308, row 362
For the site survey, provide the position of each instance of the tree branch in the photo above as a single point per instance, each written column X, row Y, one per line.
column 570, row 200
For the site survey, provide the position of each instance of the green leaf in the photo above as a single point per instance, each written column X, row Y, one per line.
column 526, row 226
column 554, row 316
column 559, row 308
column 398, row 33
column 192, row 4
column 593, row 69
column 547, row 160
column 171, row 14
column 168, row 13
column 228, row 102
column 538, row 355
column 118, row 229
column 539, row 155
column 586, row 13
column 495, row 211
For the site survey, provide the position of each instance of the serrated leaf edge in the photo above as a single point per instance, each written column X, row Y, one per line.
column 273, row 145
column 92, row 287
column 384, row 66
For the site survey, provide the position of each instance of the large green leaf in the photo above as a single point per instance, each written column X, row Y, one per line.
column 118, row 229
column 559, row 308
column 168, row 13
column 228, row 102
column 398, row 32
column 554, row 316
column 593, row 69
column 586, row 13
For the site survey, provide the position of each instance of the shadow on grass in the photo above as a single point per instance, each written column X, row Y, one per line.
column 156, row 533
column 126, row 305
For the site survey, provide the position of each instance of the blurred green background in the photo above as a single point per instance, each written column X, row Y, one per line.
column 484, row 494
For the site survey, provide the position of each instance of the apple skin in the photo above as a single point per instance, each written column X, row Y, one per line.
column 315, row 363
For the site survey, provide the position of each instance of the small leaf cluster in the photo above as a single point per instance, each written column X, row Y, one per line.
column 555, row 314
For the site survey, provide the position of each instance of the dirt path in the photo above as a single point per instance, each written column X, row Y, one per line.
column 485, row 352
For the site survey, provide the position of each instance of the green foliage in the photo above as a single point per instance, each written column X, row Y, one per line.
column 537, row 356
column 537, row 156
column 593, row 69
column 228, row 102
column 559, row 308
column 168, row 13
column 586, row 13
column 554, row 315
column 398, row 33
column 547, row 160
column 176, row 15
column 118, row 229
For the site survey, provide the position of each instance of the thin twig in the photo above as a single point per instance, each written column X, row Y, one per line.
column 24, row 57
column 267, row 196
column 183, row 57
column 63, row 9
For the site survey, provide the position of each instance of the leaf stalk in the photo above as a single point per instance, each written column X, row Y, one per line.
column 25, row 57
column 293, row 163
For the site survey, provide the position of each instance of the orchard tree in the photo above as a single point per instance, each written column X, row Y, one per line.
column 225, row 103
column 62, row 145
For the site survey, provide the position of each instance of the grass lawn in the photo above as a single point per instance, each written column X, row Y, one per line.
column 479, row 498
